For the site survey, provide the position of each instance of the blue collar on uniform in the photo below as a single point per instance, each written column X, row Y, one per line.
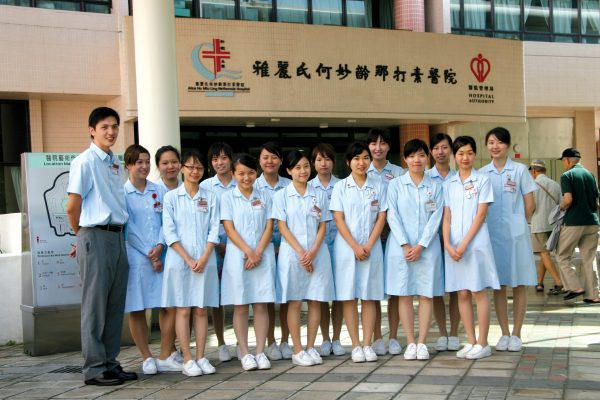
column 101, row 153
column 236, row 193
column 316, row 183
column 509, row 166
column 182, row 192
column 350, row 182
column 406, row 180
column 129, row 188
column 290, row 191
column 472, row 178
column 215, row 181
column 261, row 182
column 386, row 168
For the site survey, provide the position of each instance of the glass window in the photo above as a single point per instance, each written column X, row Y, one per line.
column 514, row 36
column 24, row 3
column 59, row 5
column 14, row 140
column 217, row 9
column 590, row 17
column 507, row 15
column 183, row 8
column 588, row 39
column 256, row 10
column 359, row 13
column 477, row 14
column 292, row 11
column 327, row 12
column 537, row 16
column 564, row 15
column 97, row 8
column 565, row 39
column 455, row 13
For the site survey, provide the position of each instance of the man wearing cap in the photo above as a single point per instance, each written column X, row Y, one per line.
column 546, row 199
column 580, row 227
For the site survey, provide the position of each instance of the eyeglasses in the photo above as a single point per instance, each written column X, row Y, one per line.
column 192, row 168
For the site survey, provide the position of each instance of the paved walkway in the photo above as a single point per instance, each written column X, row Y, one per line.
column 561, row 360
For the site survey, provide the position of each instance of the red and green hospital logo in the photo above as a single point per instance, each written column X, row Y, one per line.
column 210, row 60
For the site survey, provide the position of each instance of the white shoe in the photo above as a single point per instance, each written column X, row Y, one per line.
column 410, row 353
column 273, row 352
column 442, row 343
column 312, row 353
column 379, row 347
column 337, row 348
column 302, row 359
column 206, row 366
column 394, row 347
column 190, row 368
column 149, row 366
column 453, row 343
column 422, row 352
column 462, row 353
column 177, row 356
column 286, row 351
column 369, row 353
column 358, row 356
column 515, row 343
column 224, row 353
column 248, row 362
column 502, row 344
column 237, row 352
column 168, row 365
column 325, row 349
column 478, row 352
column 262, row 361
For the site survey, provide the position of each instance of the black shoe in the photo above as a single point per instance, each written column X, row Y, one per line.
column 123, row 375
column 106, row 379
column 572, row 295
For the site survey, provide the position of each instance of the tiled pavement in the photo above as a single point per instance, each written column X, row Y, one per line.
column 561, row 360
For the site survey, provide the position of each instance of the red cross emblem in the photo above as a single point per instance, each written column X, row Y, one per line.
column 218, row 55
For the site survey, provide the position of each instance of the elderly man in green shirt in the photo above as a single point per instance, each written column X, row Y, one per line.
column 580, row 227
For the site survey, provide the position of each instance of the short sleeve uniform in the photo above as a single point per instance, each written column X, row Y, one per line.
column 331, row 228
column 249, row 216
column 476, row 270
column 387, row 173
column 164, row 186
column 509, row 232
column 361, row 206
column 303, row 214
column 414, row 214
column 144, row 231
column 193, row 222
column 261, row 184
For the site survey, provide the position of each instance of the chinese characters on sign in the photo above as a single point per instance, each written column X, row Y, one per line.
column 432, row 75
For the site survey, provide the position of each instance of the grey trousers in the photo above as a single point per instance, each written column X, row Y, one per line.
column 102, row 260
column 586, row 238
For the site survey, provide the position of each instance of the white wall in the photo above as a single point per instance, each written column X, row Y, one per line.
column 10, row 278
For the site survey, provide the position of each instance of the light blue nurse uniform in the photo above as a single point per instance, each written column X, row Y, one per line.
column 302, row 214
column 193, row 222
column 262, row 184
column 144, row 231
column 249, row 216
column 331, row 228
column 414, row 214
column 387, row 173
column 509, row 232
column 476, row 270
column 361, row 206
column 162, row 184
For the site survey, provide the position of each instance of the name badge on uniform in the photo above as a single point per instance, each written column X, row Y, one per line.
column 510, row 185
column 375, row 205
column 157, row 204
column 315, row 211
column 114, row 168
column 470, row 190
column 388, row 176
column 202, row 205
column 257, row 204
column 430, row 206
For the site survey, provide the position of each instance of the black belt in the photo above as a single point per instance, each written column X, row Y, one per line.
column 111, row 228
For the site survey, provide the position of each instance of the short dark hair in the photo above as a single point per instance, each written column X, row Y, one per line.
column 414, row 145
column 133, row 152
column 100, row 113
column 217, row 148
column 439, row 137
column 194, row 155
column 462, row 141
column 163, row 150
column 272, row 148
column 356, row 148
column 294, row 158
column 379, row 133
column 325, row 150
column 246, row 160
column 502, row 134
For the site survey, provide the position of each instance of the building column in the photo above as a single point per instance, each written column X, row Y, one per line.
column 409, row 15
column 585, row 139
column 156, row 74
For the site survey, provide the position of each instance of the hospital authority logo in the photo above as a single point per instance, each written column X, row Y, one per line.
column 479, row 92
column 210, row 60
